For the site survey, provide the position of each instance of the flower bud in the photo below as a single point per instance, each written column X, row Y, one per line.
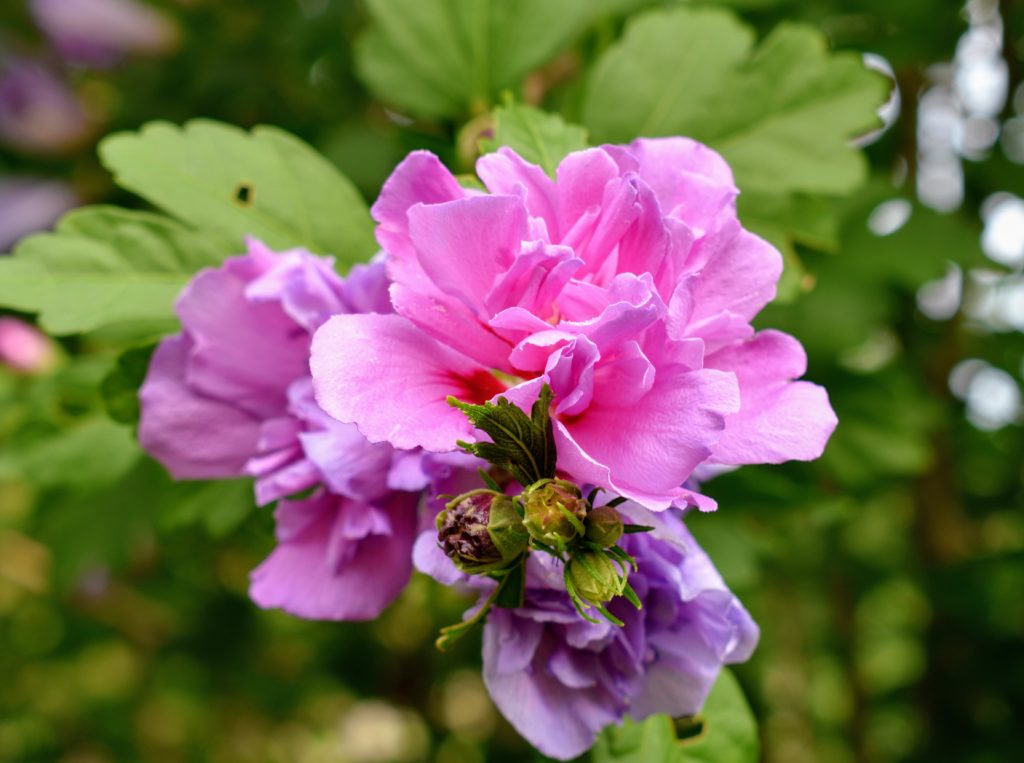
column 481, row 531
column 604, row 526
column 554, row 512
column 595, row 577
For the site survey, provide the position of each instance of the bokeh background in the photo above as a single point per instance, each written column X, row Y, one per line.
column 888, row 577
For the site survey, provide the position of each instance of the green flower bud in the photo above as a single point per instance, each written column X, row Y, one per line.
column 481, row 531
column 595, row 577
column 554, row 512
column 604, row 526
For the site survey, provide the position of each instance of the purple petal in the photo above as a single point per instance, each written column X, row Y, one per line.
column 318, row 571
column 779, row 419
column 195, row 437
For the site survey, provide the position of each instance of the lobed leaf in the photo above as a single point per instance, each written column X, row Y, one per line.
column 541, row 138
column 782, row 115
column 444, row 58
column 103, row 266
column 266, row 183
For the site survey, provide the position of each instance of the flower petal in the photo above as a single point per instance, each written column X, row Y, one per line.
column 384, row 375
column 193, row 436
column 317, row 573
column 646, row 450
column 779, row 419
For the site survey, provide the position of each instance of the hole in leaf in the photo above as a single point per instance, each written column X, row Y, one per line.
column 689, row 727
column 244, row 194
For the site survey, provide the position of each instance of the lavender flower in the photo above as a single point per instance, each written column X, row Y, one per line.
column 231, row 395
column 30, row 205
column 39, row 113
column 560, row 679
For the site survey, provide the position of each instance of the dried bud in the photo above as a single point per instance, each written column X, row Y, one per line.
column 554, row 512
column 604, row 526
column 481, row 531
column 595, row 577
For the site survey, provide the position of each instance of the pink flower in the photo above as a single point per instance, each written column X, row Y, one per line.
column 627, row 284
column 231, row 396
column 25, row 349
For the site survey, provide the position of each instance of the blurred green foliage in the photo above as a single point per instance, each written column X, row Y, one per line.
column 887, row 576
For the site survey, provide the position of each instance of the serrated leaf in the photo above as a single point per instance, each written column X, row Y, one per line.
column 541, row 138
column 782, row 115
column 265, row 183
column 444, row 58
column 120, row 388
column 103, row 266
column 520, row 444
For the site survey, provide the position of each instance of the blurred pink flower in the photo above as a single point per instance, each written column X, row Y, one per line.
column 100, row 32
column 25, row 349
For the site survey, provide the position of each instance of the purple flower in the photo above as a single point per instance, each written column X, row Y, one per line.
column 559, row 679
column 30, row 205
column 231, row 395
column 39, row 113
column 100, row 32
column 24, row 349
column 627, row 284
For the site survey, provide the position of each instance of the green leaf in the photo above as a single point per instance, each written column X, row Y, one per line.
column 537, row 136
column 120, row 388
column 782, row 115
column 443, row 58
column 522, row 445
column 95, row 451
column 103, row 527
column 217, row 506
column 727, row 733
column 729, row 727
column 103, row 266
column 265, row 183
column 652, row 741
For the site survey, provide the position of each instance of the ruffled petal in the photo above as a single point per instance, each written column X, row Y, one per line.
column 646, row 450
column 193, row 436
column 318, row 573
column 779, row 419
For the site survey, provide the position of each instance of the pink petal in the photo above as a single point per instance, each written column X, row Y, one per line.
column 506, row 173
column 647, row 449
column 779, row 419
column 242, row 351
column 195, row 437
column 383, row 374
column 463, row 246
column 421, row 178
column 317, row 572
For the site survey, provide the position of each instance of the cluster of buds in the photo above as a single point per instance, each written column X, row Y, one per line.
column 487, row 532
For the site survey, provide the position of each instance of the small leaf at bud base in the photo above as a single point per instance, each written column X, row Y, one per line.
column 481, row 531
column 595, row 577
column 554, row 512
column 604, row 526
